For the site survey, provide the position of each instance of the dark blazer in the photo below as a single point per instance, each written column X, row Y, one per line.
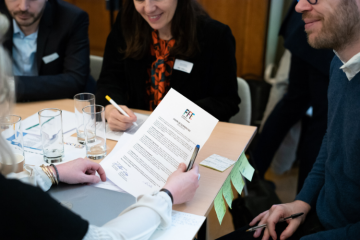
column 212, row 83
column 63, row 29
column 293, row 31
column 42, row 217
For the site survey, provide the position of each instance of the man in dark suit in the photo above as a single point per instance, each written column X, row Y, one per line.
column 49, row 45
column 308, row 84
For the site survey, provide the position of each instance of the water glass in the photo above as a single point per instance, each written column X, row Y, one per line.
column 50, row 120
column 82, row 100
column 11, row 131
column 95, row 130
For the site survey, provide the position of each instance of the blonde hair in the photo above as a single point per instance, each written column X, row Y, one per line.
column 6, row 90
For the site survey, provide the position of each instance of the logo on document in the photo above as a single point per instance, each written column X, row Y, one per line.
column 188, row 115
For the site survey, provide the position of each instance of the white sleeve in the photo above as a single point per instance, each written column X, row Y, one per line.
column 137, row 222
column 42, row 180
column 34, row 176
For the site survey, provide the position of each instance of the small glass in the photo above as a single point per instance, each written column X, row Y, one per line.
column 50, row 120
column 82, row 100
column 11, row 131
column 95, row 134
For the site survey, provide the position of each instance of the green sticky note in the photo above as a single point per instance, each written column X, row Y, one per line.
column 227, row 192
column 245, row 168
column 220, row 207
column 236, row 178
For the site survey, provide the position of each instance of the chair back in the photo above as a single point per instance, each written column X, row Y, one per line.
column 95, row 66
column 244, row 115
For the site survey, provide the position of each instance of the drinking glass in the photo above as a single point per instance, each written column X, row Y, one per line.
column 11, row 131
column 82, row 100
column 50, row 120
column 95, row 134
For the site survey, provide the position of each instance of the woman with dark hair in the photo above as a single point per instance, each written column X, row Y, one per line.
column 156, row 45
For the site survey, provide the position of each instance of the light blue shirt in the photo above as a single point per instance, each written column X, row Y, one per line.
column 24, row 52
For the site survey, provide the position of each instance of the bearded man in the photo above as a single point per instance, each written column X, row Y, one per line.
column 49, row 45
column 330, row 197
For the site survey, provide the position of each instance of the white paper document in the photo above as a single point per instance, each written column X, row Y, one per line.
column 116, row 135
column 217, row 162
column 184, row 226
column 167, row 138
column 31, row 124
column 109, row 185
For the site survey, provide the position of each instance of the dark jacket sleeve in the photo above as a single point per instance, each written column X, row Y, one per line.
column 75, row 73
column 316, row 178
column 350, row 232
column 29, row 213
column 224, row 100
column 113, row 69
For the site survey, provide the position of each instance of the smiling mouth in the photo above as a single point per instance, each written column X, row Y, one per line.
column 155, row 17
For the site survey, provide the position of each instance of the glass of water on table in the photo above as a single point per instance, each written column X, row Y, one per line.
column 95, row 131
column 82, row 100
column 11, row 131
column 50, row 120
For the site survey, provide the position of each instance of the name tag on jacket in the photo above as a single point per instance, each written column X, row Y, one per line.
column 182, row 65
column 49, row 58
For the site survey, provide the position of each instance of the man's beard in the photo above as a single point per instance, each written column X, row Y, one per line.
column 339, row 29
column 33, row 17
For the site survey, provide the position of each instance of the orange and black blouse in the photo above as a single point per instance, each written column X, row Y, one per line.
column 160, row 71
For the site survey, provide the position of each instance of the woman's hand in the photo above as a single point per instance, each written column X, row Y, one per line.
column 117, row 121
column 183, row 185
column 276, row 212
column 80, row 171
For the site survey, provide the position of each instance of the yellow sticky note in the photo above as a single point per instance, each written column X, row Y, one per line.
column 245, row 168
column 236, row 178
column 227, row 191
column 220, row 207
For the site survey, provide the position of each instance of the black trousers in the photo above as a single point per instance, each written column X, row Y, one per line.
column 307, row 87
column 311, row 225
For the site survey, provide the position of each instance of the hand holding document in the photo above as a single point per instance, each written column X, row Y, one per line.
column 167, row 138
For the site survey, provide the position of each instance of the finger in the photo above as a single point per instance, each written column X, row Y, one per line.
column 257, row 218
column 129, row 112
column 195, row 169
column 266, row 235
column 271, row 223
column 262, row 221
column 97, row 167
column 181, row 167
column 90, row 179
column 290, row 229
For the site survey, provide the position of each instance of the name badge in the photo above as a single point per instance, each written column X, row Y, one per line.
column 182, row 65
column 50, row 58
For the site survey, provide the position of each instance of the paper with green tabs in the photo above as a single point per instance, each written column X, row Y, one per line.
column 245, row 168
column 219, row 205
column 227, row 191
column 236, row 178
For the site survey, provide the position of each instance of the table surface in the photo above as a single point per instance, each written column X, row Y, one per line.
column 227, row 140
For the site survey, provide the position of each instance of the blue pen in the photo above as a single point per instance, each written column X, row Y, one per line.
column 192, row 160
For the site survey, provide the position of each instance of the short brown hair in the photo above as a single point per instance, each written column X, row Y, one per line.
column 137, row 32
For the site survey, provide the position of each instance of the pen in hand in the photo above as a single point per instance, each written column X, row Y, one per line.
column 281, row 220
column 119, row 108
column 193, row 157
